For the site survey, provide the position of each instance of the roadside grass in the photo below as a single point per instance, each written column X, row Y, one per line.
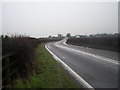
column 50, row 73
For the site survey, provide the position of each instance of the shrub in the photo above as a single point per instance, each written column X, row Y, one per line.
column 24, row 49
column 108, row 42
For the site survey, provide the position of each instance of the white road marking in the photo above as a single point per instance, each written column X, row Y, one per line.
column 95, row 56
column 65, row 43
column 72, row 72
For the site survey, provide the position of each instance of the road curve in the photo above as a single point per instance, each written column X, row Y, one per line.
column 98, row 67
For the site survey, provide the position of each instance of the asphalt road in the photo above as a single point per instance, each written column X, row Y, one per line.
column 97, row 67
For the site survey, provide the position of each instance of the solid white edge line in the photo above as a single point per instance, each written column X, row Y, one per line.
column 72, row 72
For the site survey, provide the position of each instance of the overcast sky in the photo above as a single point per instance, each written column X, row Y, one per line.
column 50, row 18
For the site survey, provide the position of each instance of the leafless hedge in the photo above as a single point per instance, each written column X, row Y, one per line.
column 24, row 49
column 107, row 42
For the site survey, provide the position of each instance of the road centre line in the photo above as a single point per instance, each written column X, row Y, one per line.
column 93, row 55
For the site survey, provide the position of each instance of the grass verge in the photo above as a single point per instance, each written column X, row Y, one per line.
column 49, row 75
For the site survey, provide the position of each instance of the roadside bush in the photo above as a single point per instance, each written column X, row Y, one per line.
column 24, row 49
column 107, row 42
column 50, row 40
